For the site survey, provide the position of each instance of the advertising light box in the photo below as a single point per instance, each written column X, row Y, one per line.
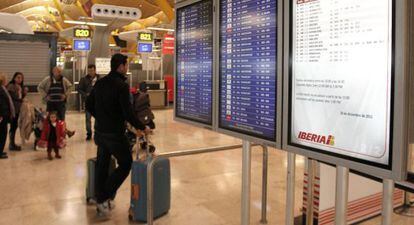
column 194, row 62
column 248, row 69
column 341, row 82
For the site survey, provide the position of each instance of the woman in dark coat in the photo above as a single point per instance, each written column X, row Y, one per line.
column 7, row 113
column 17, row 92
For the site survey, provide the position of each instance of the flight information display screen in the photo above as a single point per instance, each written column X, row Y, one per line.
column 248, row 59
column 341, row 77
column 194, row 62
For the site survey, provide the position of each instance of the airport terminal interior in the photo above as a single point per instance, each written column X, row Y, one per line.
column 293, row 112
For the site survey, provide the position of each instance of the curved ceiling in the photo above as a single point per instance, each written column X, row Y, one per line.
column 48, row 15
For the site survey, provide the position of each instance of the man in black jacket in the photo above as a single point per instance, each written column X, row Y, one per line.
column 109, row 104
column 85, row 87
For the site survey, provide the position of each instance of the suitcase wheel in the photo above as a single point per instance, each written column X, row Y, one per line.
column 90, row 201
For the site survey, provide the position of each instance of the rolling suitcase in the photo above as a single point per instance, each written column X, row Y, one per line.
column 162, row 186
column 90, row 183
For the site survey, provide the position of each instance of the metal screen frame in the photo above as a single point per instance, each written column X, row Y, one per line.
column 399, row 116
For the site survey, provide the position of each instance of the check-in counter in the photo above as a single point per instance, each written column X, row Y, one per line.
column 158, row 98
column 72, row 103
column 158, row 93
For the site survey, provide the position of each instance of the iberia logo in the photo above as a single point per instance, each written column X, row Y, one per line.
column 316, row 138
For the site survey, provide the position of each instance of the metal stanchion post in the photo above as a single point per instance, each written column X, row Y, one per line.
column 341, row 199
column 407, row 209
column 387, row 202
column 263, row 220
column 246, row 177
column 290, row 189
column 310, row 194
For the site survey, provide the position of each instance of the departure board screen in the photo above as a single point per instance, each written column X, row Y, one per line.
column 248, row 59
column 194, row 62
column 341, row 77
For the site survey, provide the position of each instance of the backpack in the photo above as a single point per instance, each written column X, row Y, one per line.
column 142, row 108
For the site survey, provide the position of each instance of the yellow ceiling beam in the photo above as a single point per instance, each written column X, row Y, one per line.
column 59, row 9
column 166, row 8
column 54, row 19
column 81, row 9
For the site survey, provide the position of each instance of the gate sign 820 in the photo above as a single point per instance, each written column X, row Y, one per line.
column 82, row 33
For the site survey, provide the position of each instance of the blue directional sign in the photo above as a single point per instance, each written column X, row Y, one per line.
column 81, row 44
column 145, row 47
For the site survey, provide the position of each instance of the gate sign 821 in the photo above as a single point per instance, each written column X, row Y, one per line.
column 145, row 37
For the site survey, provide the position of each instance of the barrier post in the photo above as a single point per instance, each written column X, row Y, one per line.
column 341, row 199
column 387, row 201
column 263, row 220
column 310, row 195
column 246, row 178
column 290, row 189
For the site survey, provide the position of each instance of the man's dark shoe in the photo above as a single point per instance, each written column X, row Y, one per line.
column 13, row 147
column 70, row 133
column 4, row 156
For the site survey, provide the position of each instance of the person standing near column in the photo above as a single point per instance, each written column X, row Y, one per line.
column 17, row 92
column 55, row 91
column 109, row 103
column 7, row 113
column 86, row 85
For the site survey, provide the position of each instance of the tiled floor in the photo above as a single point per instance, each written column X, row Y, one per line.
column 205, row 188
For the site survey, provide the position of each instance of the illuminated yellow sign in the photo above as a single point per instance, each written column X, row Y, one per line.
column 82, row 33
column 145, row 37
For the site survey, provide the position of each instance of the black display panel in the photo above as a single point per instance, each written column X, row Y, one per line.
column 194, row 62
column 248, row 65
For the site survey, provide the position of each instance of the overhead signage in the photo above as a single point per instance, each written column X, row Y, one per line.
column 168, row 44
column 194, row 62
column 81, row 33
column 81, row 44
column 248, row 68
column 145, row 37
column 145, row 47
column 342, row 78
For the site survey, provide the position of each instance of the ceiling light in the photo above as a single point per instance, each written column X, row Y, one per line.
column 75, row 22
column 85, row 23
column 160, row 29
column 96, row 24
